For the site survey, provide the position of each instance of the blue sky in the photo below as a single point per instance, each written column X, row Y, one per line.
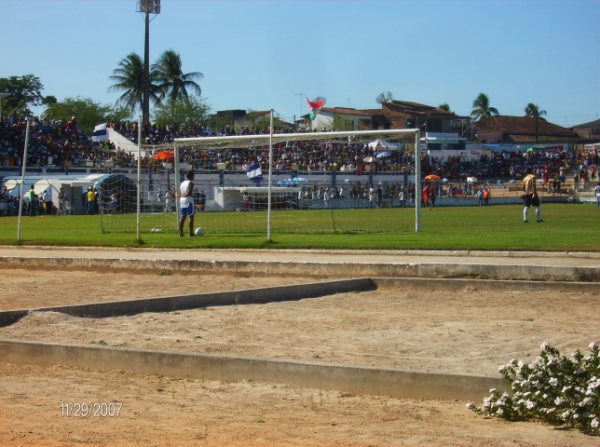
column 260, row 54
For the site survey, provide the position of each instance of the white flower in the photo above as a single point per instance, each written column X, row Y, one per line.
column 492, row 390
column 592, row 346
column 566, row 414
column 545, row 346
column 553, row 381
column 558, row 401
column 470, row 405
column 586, row 402
column 595, row 423
column 499, row 411
column 530, row 404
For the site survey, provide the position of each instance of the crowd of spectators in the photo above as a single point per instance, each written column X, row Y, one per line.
column 54, row 143
column 64, row 145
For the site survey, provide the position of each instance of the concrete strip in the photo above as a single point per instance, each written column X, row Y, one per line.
column 194, row 301
column 483, row 284
column 318, row 269
column 351, row 379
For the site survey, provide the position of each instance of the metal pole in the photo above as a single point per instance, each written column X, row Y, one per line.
column 23, row 168
column 139, row 183
column 418, row 181
column 177, row 183
column 146, row 93
column 270, row 175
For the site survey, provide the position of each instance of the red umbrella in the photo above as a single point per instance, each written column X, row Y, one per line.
column 164, row 156
column 433, row 177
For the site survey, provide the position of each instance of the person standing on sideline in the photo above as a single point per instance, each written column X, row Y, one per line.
column 597, row 192
column 186, row 202
column 33, row 201
column 530, row 197
column 426, row 194
column 486, row 196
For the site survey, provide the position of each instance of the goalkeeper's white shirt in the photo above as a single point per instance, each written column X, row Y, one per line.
column 184, row 200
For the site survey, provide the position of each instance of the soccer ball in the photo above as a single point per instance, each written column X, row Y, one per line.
column 199, row 231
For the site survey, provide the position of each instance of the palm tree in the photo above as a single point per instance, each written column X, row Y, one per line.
column 170, row 79
column 482, row 109
column 532, row 110
column 129, row 78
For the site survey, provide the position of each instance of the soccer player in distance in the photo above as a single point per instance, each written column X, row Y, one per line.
column 186, row 202
column 530, row 197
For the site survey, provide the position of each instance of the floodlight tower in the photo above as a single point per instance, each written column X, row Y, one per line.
column 147, row 7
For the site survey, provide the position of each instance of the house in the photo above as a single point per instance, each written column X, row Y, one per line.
column 406, row 114
column 392, row 115
column 522, row 129
column 344, row 118
column 588, row 131
column 239, row 119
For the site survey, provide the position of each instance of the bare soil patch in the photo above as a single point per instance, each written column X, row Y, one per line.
column 468, row 330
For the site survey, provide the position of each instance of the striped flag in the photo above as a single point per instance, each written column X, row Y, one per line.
column 100, row 133
column 254, row 172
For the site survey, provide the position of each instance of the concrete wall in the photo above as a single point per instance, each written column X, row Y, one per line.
column 340, row 270
column 352, row 379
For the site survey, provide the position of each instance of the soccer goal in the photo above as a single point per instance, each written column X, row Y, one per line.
column 313, row 182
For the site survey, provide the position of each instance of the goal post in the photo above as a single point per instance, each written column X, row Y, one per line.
column 245, row 142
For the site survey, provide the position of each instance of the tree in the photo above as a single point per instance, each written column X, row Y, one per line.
column 445, row 107
column 384, row 97
column 87, row 113
column 532, row 110
column 129, row 78
column 23, row 91
column 482, row 109
column 188, row 111
column 172, row 83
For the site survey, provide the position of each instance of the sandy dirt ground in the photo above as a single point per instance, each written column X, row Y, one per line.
column 471, row 330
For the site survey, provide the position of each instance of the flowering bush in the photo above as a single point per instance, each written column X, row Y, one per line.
column 555, row 389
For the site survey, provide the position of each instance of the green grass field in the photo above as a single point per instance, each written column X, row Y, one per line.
column 566, row 227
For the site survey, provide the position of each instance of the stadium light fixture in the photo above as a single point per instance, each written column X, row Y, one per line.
column 147, row 7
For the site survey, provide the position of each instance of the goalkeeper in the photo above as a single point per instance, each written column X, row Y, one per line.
column 531, row 197
column 186, row 202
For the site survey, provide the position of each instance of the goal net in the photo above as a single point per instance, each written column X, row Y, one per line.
column 315, row 182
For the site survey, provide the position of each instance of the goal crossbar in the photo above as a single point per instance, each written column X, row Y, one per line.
column 265, row 139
